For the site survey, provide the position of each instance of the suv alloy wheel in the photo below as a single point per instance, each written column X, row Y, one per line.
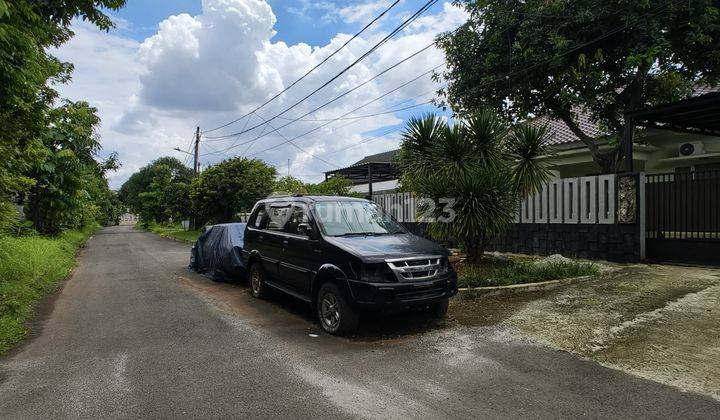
column 335, row 313
column 257, row 281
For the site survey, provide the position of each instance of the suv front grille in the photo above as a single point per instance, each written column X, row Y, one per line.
column 415, row 269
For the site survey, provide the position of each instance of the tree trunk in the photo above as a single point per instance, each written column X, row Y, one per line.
column 608, row 161
column 474, row 251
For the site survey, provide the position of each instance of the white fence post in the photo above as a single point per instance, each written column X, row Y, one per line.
column 555, row 201
column 571, row 205
column 527, row 214
column 606, row 199
column 540, row 202
column 588, row 199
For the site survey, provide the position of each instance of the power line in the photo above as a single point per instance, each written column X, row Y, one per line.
column 608, row 34
column 364, row 141
column 353, row 110
column 391, row 111
column 347, row 113
column 380, row 43
column 378, row 17
column 298, row 147
column 356, row 87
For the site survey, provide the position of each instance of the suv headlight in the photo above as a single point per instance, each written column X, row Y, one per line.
column 378, row 273
column 445, row 266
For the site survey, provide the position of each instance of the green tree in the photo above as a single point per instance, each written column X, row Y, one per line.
column 140, row 181
column 231, row 186
column 559, row 58
column 68, row 183
column 289, row 185
column 167, row 197
column 471, row 175
column 28, row 29
column 337, row 185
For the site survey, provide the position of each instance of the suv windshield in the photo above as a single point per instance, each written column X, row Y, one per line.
column 340, row 218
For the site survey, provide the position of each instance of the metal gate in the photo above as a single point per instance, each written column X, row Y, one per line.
column 682, row 221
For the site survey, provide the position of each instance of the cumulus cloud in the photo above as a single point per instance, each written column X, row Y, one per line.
column 208, row 69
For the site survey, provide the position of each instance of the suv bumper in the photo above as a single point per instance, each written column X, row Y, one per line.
column 378, row 295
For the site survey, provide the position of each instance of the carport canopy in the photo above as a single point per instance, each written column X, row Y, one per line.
column 698, row 115
column 370, row 169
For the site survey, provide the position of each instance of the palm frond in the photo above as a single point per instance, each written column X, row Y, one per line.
column 528, row 148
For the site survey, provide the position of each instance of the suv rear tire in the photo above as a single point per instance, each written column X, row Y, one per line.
column 440, row 308
column 336, row 315
column 258, row 288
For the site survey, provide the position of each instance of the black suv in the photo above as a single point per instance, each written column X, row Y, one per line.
column 343, row 255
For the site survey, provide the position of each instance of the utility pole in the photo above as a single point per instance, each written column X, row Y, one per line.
column 196, row 168
column 288, row 168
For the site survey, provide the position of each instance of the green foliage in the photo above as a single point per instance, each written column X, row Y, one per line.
column 289, row 185
column 555, row 58
column 337, row 185
column 28, row 31
column 470, row 175
column 69, row 188
column 167, row 173
column 230, row 187
column 30, row 267
column 494, row 272
column 167, row 196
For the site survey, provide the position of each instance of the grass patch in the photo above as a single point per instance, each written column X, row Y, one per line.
column 173, row 230
column 29, row 268
column 496, row 272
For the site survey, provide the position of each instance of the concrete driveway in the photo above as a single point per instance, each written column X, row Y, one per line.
column 133, row 334
column 660, row 322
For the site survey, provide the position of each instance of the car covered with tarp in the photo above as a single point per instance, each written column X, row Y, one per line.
column 218, row 252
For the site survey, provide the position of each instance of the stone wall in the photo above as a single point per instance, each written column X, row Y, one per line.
column 614, row 242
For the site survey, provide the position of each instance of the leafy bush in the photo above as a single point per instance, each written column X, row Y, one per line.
column 504, row 273
column 30, row 267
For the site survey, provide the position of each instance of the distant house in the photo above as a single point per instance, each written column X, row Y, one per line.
column 655, row 151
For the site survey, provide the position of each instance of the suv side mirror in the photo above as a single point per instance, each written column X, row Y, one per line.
column 306, row 229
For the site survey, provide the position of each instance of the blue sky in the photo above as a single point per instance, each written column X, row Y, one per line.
column 172, row 65
column 298, row 21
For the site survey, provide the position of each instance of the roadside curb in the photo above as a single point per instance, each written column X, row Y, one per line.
column 478, row 292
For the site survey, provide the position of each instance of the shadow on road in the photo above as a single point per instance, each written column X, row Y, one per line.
column 374, row 326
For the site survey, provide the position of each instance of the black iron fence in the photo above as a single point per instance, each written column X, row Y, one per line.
column 683, row 205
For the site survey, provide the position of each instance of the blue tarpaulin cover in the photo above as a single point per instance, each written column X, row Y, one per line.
column 218, row 252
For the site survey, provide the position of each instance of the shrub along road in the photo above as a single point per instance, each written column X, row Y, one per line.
column 134, row 334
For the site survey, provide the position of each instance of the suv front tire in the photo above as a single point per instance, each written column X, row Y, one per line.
column 336, row 315
column 258, row 288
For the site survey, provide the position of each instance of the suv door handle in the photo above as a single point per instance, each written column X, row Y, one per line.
column 285, row 242
column 261, row 236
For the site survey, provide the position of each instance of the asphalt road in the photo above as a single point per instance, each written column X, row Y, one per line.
column 133, row 334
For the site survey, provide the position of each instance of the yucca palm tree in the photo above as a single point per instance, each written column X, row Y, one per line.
column 472, row 174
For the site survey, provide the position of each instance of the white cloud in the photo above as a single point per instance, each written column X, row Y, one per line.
column 363, row 12
column 210, row 68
